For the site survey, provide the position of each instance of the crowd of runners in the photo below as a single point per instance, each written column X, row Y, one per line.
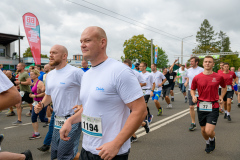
column 109, row 102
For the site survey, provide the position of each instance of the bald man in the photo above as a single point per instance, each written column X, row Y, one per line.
column 62, row 89
column 114, row 89
column 85, row 66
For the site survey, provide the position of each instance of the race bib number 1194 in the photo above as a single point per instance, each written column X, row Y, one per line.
column 92, row 126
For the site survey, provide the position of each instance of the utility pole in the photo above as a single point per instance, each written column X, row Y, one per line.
column 151, row 51
column 19, row 44
column 182, row 49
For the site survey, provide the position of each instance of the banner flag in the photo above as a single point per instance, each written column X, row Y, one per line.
column 32, row 30
column 156, row 53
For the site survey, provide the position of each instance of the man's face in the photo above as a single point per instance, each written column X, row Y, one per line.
column 142, row 67
column 137, row 68
column 46, row 68
column 239, row 69
column 90, row 44
column 153, row 68
column 221, row 66
column 226, row 67
column 208, row 63
column 56, row 56
column 20, row 67
column 183, row 67
column 193, row 63
column 232, row 69
column 84, row 64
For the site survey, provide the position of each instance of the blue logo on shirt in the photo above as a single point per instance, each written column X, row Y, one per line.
column 62, row 83
column 99, row 89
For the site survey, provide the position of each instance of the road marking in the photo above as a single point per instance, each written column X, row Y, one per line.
column 178, row 93
column 183, row 113
column 25, row 124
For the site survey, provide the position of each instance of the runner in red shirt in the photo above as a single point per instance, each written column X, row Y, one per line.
column 230, row 79
column 220, row 88
column 207, row 84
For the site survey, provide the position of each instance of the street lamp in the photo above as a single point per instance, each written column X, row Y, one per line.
column 182, row 49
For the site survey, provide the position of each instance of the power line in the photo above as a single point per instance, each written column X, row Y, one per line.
column 122, row 20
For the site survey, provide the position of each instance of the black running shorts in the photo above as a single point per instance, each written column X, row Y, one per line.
column 190, row 99
column 172, row 86
column 26, row 98
column 146, row 97
column 229, row 94
column 208, row 117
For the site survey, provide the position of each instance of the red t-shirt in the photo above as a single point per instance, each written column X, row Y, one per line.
column 220, row 71
column 228, row 77
column 207, row 86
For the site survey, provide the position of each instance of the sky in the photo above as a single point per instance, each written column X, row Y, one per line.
column 164, row 21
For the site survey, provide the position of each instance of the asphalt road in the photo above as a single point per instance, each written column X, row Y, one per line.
column 169, row 137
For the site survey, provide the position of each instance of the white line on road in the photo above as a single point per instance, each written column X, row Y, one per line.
column 163, row 124
column 18, row 125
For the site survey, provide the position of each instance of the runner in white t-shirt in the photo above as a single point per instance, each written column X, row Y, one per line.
column 181, row 75
column 148, row 89
column 114, row 90
column 142, row 83
column 191, row 73
column 159, row 80
column 62, row 89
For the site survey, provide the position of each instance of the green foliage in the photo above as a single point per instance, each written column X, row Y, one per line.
column 28, row 53
column 138, row 49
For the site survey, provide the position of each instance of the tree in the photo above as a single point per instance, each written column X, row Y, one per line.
column 138, row 49
column 28, row 53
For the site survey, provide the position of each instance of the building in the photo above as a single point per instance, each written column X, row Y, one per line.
column 8, row 56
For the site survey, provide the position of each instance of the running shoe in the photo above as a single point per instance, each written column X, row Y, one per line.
column 225, row 116
column 207, row 149
column 17, row 123
column 150, row 118
column 11, row 114
column 28, row 155
column 1, row 139
column 229, row 118
column 147, row 126
column 35, row 136
column 170, row 105
column 172, row 99
column 212, row 145
column 133, row 139
column 160, row 111
column 185, row 100
column 28, row 114
column 46, row 124
column 192, row 127
column 232, row 101
column 9, row 111
column 44, row 148
column 221, row 110
column 239, row 105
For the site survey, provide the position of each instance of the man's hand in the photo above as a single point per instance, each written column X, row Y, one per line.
column 151, row 94
column 64, row 131
column 194, row 99
column 77, row 108
column 185, row 84
column 108, row 150
column 38, row 107
column 220, row 99
column 17, row 82
column 175, row 60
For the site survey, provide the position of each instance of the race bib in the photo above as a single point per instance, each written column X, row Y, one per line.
column 59, row 121
column 171, row 77
column 156, row 90
column 205, row 106
column 92, row 126
column 22, row 93
column 229, row 88
column 166, row 83
column 35, row 103
column 144, row 92
column 196, row 93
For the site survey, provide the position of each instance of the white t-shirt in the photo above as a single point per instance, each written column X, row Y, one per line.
column 158, row 78
column 238, row 75
column 105, row 91
column 191, row 73
column 183, row 75
column 149, row 80
column 64, row 88
column 139, row 76
column 5, row 83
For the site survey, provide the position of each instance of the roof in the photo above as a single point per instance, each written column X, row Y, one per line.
column 8, row 38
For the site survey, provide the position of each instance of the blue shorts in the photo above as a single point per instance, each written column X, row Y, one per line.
column 182, row 87
column 156, row 95
column 235, row 87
